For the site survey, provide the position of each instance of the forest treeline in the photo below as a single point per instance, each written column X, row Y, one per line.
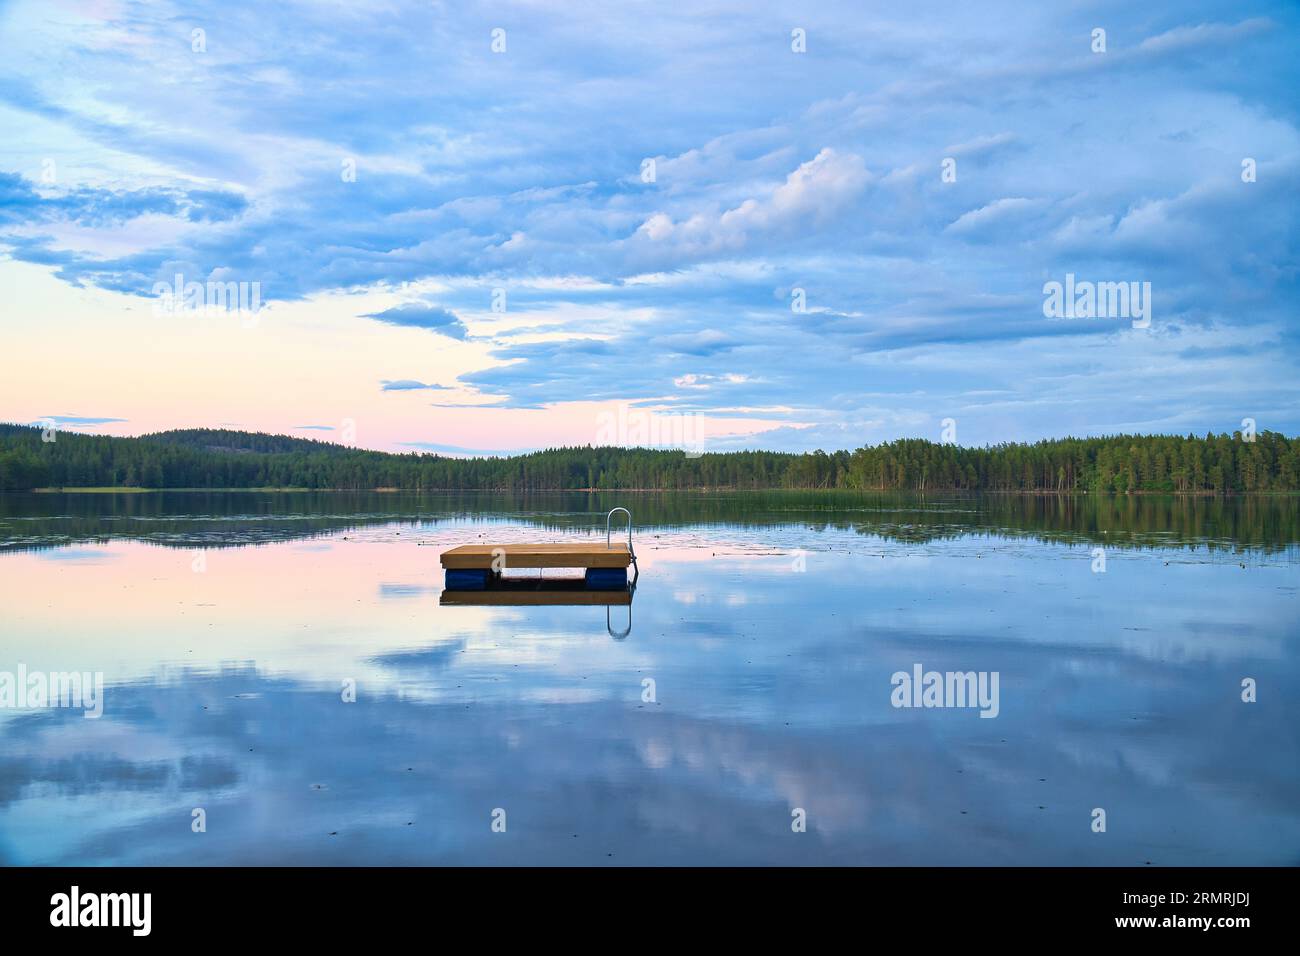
column 214, row 458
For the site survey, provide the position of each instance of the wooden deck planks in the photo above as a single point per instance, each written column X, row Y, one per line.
column 538, row 556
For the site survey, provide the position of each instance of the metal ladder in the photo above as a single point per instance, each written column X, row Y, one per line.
column 636, row 571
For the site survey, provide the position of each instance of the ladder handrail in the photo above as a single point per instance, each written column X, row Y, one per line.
column 609, row 517
column 636, row 571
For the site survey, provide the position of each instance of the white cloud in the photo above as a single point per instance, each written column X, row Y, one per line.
column 998, row 211
column 814, row 193
column 1185, row 37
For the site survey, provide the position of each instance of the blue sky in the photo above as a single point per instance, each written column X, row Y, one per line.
column 135, row 149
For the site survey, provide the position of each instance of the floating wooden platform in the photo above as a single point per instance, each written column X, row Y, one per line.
column 473, row 575
column 481, row 556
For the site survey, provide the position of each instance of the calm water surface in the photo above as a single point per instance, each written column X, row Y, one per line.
column 770, row 624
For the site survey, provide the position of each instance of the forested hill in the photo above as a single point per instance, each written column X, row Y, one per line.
column 226, row 440
column 205, row 458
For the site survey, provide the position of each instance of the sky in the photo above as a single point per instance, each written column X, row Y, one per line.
column 489, row 228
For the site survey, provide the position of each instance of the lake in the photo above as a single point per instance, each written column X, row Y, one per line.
column 282, row 686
